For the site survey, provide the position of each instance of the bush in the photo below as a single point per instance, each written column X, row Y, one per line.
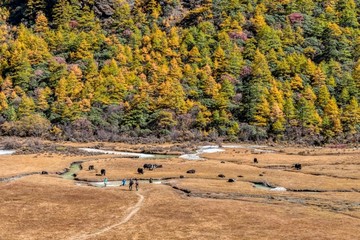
column 34, row 126
column 11, row 143
column 80, row 130
column 29, row 126
column 253, row 133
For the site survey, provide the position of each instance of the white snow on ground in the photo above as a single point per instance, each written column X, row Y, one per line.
column 242, row 146
column 255, row 148
column 278, row 189
column 191, row 157
column 7, row 152
column 115, row 183
column 233, row 146
column 201, row 150
column 140, row 155
column 263, row 151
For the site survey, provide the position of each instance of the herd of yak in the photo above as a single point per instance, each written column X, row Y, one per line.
column 151, row 167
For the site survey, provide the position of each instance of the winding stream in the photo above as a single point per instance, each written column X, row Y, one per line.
column 74, row 169
column 113, row 183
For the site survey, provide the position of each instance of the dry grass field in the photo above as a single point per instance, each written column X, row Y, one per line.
column 322, row 200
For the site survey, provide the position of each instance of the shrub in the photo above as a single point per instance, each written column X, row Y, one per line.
column 33, row 125
column 11, row 143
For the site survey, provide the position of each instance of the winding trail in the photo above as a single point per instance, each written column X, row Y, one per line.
column 130, row 213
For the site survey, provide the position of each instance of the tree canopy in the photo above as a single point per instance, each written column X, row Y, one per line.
column 239, row 70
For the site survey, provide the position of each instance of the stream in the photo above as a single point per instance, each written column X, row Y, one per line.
column 265, row 186
column 75, row 167
column 114, row 183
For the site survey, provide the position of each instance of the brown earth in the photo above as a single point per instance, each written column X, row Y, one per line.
column 322, row 201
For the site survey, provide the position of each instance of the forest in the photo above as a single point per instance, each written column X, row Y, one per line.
column 237, row 70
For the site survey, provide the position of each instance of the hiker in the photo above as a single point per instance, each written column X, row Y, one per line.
column 123, row 182
column 105, row 181
column 136, row 184
column 131, row 183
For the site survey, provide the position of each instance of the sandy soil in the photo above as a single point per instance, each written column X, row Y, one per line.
column 322, row 201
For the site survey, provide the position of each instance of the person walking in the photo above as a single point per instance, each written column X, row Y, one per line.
column 105, row 182
column 137, row 184
column 123, row 182
column 131, row 183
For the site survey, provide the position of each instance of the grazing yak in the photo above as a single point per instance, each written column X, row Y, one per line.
column 255, row 160
column 150, row 166
column 231, row 180
column 91, row 167
column 103, row 172
column 297, row 166
column 140, row 171
column 191, row 171
column 147, row 165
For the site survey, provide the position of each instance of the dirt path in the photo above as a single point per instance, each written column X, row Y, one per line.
column 130, row 213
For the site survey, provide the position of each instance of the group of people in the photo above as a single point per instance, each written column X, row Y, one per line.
column 131, row 183
column 123, row 183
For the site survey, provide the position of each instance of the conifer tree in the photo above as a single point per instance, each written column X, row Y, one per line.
column 323, row 97
column 26, row 106
column 41, row 24
column 261, row 116
column 351, row 116
column 35, row 6
column 290, row 112
column 3, row 102
column 308, row 116
column 296, row 83
column 331, row 121
column 62, row 13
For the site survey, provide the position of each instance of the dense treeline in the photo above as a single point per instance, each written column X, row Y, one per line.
column 247, row 70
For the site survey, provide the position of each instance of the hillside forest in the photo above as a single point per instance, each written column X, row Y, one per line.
column 238, row 70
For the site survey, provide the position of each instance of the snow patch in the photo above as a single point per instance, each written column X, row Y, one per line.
column 278, row 189
column 254, row 148
column 7, row 152
column 201, row 150
column 140, row 155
